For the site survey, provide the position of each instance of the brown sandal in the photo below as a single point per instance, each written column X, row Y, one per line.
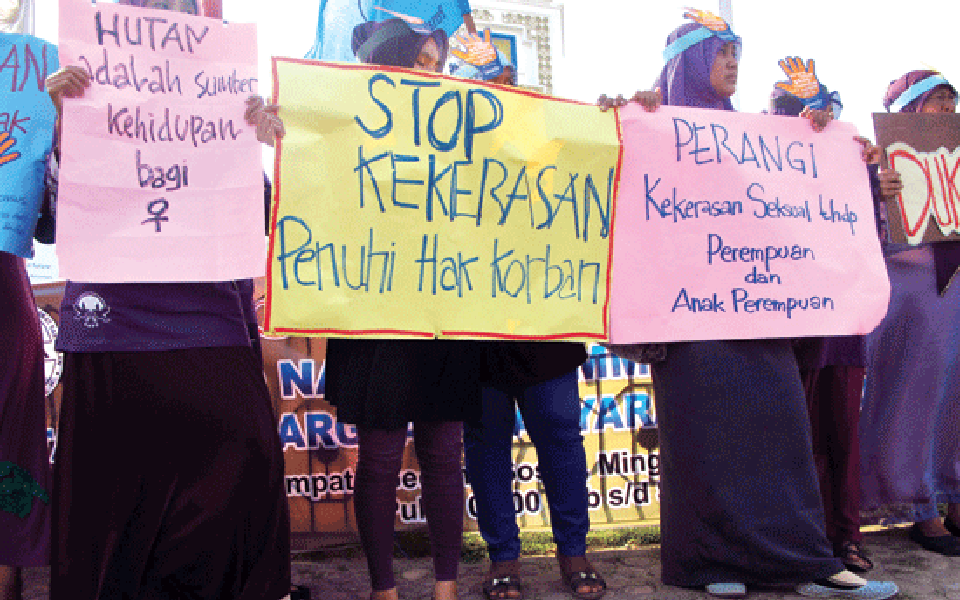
column 853, row 557
column 577, row 578
column 502, row 580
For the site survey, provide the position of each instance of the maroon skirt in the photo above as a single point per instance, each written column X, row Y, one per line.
column 169, row 479
column 24, row 465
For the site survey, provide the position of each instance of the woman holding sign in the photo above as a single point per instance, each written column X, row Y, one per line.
column 539, row 378
column 740, row 503
column 910, row 424
column 169, row 472
column 383, row 385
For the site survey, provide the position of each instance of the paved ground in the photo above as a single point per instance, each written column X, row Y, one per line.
column 631, row 575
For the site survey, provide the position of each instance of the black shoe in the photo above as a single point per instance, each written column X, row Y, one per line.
column 946, row 545
column 299, row 592
column 952, row 527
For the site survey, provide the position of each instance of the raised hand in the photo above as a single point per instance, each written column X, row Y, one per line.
column 803, row 79
column 480, row 51
column 6, row 142
column 706, row 18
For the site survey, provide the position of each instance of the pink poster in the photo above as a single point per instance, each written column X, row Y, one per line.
column 734, row 226
column 161, row 177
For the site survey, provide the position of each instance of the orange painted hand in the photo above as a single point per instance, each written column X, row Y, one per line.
column 803, row 79
column 6, row 142
column 706, row 18
column 479, row 51
column 409, row 19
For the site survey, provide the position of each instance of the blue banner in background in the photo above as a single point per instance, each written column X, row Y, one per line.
column 27, row 118
column 337, row 19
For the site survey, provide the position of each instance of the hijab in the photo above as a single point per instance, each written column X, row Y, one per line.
column 685, row 79
column 394, row 43
column 899, row 86
column 946, row 256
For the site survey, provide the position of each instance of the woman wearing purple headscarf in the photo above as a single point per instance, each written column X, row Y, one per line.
column 169, row 472
column 740, row 502
column 910, row 422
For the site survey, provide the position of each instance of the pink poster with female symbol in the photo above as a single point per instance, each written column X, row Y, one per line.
column 161, row 177
column 733, row 226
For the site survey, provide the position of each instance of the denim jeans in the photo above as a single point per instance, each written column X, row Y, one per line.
column 551, row 415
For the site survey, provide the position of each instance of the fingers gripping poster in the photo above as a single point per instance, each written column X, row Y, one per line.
column 415, row 205
column 733, row 226
column 161, row 176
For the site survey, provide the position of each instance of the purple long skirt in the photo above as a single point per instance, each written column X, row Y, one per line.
column 169, row 479
column 910, row 420
column 24, row 466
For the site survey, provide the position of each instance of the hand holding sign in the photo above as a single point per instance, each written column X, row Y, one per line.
column 264, row 117
column 6, row 142
column 69, row 82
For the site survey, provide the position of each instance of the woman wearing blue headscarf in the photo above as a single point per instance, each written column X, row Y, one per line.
column 740, row 502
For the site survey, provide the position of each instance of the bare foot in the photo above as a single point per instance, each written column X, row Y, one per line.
column 11, row 583
column 445, row 590
column 390, row 594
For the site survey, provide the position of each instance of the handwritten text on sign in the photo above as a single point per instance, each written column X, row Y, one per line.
column 925, row 149
column 412, row 204
column 161, row 176
column 26, row 133
column 734, row 226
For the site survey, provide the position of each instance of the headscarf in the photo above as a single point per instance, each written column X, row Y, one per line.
column 908, row 93
column 140, row 4
column 394, row 43
column 784, row 103
column 685, row 79
column 946, row 257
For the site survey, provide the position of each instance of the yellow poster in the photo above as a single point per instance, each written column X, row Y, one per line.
column 410, row 204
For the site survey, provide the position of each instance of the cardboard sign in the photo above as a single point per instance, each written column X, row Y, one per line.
column 925, row 149
column 26, row 132
column 161, row 177
column 734, row 226
column 415, row 205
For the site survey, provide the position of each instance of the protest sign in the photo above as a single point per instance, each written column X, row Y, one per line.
column 161, row 177
column 925, row 150
column 410, row 204
column 26, row 132
column 734, row 226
